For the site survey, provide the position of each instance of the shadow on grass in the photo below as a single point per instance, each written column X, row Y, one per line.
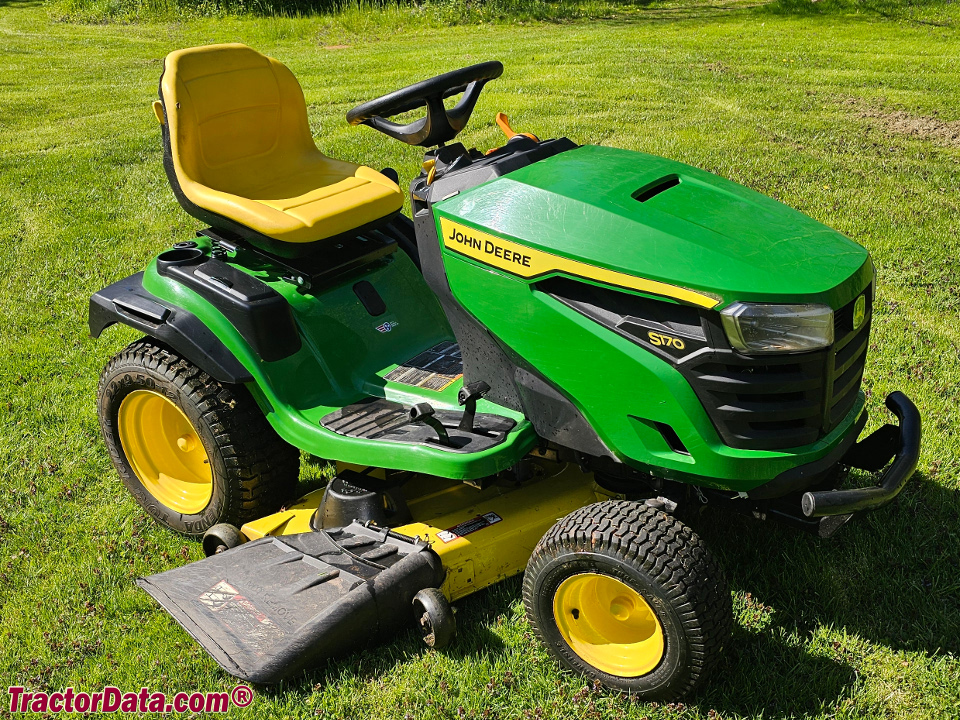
column 760, row 673
column 892, row 9
column 615, row 12
column 888, row 576
column 764, row 674
column 473, row 640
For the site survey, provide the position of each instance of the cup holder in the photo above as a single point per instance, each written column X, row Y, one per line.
column 179, row 256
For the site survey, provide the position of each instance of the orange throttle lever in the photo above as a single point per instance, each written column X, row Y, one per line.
column 503, row 122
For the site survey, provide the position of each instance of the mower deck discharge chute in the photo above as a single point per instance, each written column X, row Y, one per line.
column 527, row 375
column 277, row 605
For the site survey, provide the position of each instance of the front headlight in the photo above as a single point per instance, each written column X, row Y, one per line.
column 762, row 328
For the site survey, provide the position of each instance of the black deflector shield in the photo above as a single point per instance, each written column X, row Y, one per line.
column 272, row 607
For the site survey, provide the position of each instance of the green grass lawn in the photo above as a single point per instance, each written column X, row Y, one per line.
column 852, row 118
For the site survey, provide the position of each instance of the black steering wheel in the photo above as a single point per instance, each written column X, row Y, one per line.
column 439, row 125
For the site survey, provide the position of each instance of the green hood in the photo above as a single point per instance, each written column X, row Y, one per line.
column 688, row 228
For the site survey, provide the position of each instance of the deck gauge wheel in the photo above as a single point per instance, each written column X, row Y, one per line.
column 220, row 538
column 434, row 617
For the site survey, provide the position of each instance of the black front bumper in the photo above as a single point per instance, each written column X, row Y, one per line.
column 891, row 442
column 807, row 497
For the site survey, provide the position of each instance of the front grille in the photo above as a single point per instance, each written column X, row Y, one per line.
column 781, row 401
column 847, row 360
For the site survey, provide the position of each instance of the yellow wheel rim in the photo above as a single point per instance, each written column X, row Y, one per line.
column 608, row 624
column 165, row 452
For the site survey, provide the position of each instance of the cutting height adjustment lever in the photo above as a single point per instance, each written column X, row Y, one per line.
column 468, row 396
column 424, row 413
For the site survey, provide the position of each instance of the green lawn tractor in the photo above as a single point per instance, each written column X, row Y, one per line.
column 560, row 345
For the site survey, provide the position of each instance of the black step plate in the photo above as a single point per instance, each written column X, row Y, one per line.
column 381, row 419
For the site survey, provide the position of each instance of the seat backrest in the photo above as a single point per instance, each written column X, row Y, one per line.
column 233, row 116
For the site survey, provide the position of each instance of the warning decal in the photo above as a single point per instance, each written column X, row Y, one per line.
column 469, row 526
column 433, row 369
column 239, row 614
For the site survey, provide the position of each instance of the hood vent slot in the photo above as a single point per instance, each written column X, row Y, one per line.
column 656, row 187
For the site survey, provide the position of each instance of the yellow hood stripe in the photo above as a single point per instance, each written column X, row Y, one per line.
column 528, row 262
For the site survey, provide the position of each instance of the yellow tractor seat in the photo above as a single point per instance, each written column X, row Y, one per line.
column 239, row 154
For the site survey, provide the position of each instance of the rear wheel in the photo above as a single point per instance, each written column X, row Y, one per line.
column 628, row 595
column 192, row 451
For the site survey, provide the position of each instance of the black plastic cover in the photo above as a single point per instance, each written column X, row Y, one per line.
column 273, row 607
column 369, row 297
column 126, row 302
column 458, row 169
column 358, row 497
column 259, row 313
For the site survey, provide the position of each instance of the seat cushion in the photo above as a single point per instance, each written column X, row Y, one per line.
column 239, row 147
column 323, row 199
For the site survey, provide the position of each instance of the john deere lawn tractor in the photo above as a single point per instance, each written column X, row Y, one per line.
column 560, row 345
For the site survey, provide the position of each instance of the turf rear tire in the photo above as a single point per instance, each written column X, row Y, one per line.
column 602, row 572
column 251, row 472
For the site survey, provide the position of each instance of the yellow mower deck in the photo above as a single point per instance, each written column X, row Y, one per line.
column 482, row 536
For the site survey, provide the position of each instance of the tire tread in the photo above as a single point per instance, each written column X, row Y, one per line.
column 261, row 469
column 668, row 552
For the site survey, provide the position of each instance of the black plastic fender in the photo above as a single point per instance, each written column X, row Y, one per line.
column 126, row 302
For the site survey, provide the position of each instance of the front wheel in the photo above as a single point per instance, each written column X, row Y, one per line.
column 629, row 596
column 192, row 451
